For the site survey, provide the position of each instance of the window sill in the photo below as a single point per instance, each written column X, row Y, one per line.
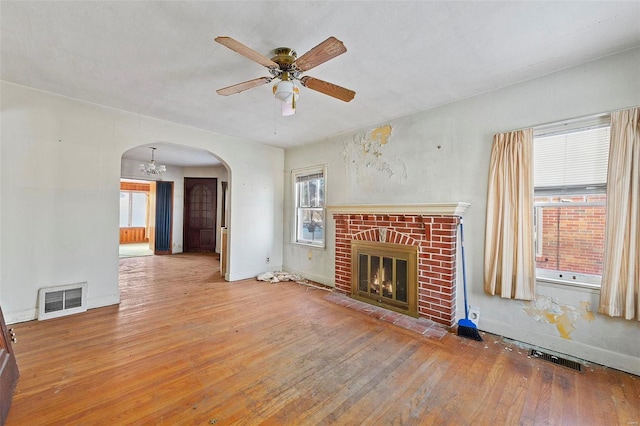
column 550, row 282
column 308, row 245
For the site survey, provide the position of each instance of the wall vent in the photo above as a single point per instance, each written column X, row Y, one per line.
column 62, row 300
column 556, row 360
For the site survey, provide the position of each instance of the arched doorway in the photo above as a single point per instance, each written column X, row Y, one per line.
column 184, row 164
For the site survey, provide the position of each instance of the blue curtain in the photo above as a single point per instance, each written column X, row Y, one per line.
column 164, row 207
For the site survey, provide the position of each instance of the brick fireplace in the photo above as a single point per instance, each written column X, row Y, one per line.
column 431, row 228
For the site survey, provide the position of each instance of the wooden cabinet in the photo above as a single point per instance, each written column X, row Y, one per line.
column 8, row 369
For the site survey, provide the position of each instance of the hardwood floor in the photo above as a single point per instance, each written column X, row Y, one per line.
column 186, row 348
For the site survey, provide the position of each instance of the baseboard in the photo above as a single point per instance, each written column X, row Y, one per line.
column 572, row 348
column 99, row 302
column 21, row 316
column 248, row 275
column 32, row 314
column 273, row 268
column 311, row 277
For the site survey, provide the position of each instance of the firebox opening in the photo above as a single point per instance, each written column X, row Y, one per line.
column 385, row 274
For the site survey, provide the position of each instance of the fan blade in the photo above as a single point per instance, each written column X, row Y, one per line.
column 246, row 51
column 241, row 87
column 328, row 88
column 328, row 49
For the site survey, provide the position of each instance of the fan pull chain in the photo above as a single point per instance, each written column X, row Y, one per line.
column 275, row 116
column 293, row 100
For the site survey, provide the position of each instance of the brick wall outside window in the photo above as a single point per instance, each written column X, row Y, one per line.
column 573, row 236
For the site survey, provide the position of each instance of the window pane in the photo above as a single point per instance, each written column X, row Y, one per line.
column 320, row 193
column 311, row 225
column 124, row 209
column 311, row 192
column 304, row 196
column 138, row 209
column 570, row 237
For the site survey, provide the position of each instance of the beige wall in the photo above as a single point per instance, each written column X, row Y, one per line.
column 442, row 155
column 61, row 167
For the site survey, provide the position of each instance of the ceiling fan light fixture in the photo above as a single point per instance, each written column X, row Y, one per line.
column 286, row 66
column 285, row 90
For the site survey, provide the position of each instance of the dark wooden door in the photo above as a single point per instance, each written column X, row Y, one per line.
column 8, row 369
column 200, row 214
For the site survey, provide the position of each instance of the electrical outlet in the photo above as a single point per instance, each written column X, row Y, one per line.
column 474, row 314
column 267, row 260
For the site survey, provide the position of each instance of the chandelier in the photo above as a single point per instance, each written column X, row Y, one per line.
column 151, row 168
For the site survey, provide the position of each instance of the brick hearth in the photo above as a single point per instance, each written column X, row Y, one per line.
column 434, row 234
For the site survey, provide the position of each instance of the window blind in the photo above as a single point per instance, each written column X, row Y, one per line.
column 575, row 158
column 309, row 178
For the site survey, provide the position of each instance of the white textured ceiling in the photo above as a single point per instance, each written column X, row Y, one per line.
column 159, row 58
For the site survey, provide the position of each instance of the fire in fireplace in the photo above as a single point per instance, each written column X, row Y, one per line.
column 385, row 275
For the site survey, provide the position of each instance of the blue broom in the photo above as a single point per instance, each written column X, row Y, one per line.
column 466, row 328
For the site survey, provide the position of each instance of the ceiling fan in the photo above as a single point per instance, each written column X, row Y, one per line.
column 287, row 67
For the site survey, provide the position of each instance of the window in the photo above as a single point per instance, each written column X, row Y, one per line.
column 309, row 200
column 133, row 209
column 570, row 178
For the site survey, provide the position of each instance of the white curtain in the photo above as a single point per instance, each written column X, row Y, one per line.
column 620, row 292
column 509, row 269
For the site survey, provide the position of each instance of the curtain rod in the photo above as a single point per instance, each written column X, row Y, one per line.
column 569, row 120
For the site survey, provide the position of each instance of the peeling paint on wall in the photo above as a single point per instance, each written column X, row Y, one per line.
column 381, row 134
column 587, row 314
column 367, row 159
column 564, row 317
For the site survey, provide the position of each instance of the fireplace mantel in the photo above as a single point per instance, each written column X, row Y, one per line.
column 429, row 209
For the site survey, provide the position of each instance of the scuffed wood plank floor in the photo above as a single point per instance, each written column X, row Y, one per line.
column 186, row 348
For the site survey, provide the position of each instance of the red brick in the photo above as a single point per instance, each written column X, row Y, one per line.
column 436, row 260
